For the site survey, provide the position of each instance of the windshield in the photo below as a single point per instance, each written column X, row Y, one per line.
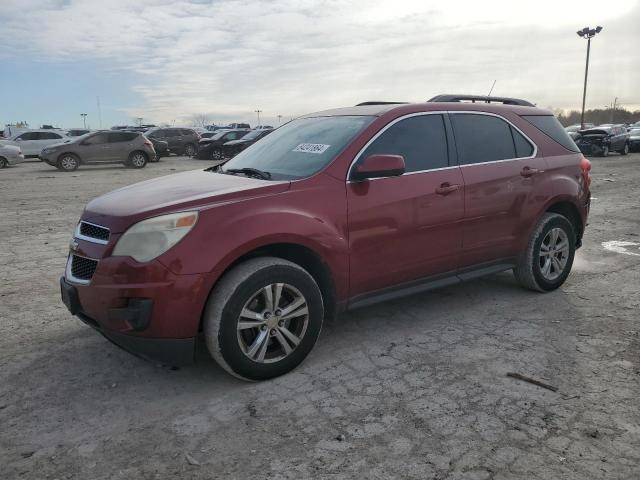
column 635, row 132
column 253, row 134
column 300, row 148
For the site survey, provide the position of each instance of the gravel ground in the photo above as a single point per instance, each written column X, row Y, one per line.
column 414, row 388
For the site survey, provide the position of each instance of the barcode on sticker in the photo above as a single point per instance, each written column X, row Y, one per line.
column 311, row 148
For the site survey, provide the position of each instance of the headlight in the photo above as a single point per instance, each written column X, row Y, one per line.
column 150, row 238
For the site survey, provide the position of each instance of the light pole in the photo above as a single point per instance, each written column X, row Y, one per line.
column 279, row 119
column 258, row 112
column 84, row 119
column 139, row 121
column 587, row 33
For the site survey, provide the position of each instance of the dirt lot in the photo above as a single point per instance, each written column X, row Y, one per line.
column 414, row 388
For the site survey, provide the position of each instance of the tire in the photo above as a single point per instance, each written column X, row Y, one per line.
column 529, row 272
column 605, row 151
column 625, row 149
column 68, row 162
column 243, row 290
column 216, row 154
column 137, row 159
column 3, row 162
column 189, row 150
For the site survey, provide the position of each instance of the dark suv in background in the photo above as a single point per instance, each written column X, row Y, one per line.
column 211, row 148
column 334, row 210
column 107, row 146
column 181, row 141
column 603, row 140
column 233, row 147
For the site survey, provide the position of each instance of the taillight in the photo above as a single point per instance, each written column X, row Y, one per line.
column 148, row 143
column 585, row 166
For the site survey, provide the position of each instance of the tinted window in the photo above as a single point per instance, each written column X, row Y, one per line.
column 96, row 139
column 523, row 147
column 49, row 136
column 121, row 137
column 172, row 132
column 187, row 132
column 29, row 136
column 156, row 134
column 421, row 140
column 231, row 136
column 482, row 138
column 550, row 126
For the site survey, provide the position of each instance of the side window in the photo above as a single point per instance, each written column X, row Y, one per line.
column 173, row 132
column 187, row 132
column 421, row 140
column 96, row 139
column 523, row 147
column 118, row 137
column 482, row 138
column 231, row 136
column 157, row 134
column 29, row 136
column 49, row 136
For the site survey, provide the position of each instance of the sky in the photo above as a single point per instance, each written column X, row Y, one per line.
column 168, row 61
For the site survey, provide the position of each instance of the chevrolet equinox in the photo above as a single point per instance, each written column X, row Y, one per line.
column 332, row 211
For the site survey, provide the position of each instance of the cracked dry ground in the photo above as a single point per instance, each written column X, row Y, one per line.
column 414, row 388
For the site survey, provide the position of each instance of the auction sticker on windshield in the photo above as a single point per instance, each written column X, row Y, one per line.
column 311, row 148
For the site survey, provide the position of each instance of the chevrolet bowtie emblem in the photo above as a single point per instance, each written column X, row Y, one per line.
column 73, row 245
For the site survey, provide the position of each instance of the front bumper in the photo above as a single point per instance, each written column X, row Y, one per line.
column 169, row 351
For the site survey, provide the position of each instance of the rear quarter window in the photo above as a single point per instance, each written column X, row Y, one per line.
column 550, row 126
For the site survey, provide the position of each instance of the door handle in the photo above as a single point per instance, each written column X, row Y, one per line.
column 446, row 188
column 527, row 172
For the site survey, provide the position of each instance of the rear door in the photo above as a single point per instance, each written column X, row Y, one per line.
column 505, row 187
column 28, row 142
column 121, row 145
column 96, row 148
column 408, row 227
column 174, row 139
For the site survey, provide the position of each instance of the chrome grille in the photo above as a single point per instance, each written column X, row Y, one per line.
column 82, row 268
column 94, row 231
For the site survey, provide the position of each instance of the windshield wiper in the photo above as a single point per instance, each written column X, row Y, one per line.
column 254, row 172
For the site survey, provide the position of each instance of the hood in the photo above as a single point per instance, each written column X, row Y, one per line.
column 56, row 145
column 181, row 191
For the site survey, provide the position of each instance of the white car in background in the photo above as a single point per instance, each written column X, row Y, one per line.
column 32, row 142
column 10, row 155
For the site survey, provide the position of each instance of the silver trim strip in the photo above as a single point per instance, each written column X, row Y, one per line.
column 441, row 112
column 68, row 275
column 79, row 235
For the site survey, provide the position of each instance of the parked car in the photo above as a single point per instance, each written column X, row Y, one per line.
column 634, row 139
column 577, row 127
column 10, row 155
column 236, row 126
column 334, row 210
column 603, row 140
column 263, row 127
column 132, row 149
column 182, row 141
column 76, row 132
column 161, row 147
column 211, row 148
column 208, row 134
column 33, row 141
column 231, row 148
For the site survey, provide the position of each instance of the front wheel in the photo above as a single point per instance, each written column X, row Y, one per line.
column 546, row 263
column 263, row 318
column 68, row 162
column 605, row 151
column 216, row 154
column 3, row 162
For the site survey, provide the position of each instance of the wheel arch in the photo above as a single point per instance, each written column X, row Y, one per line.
column 69, row 153
column 300, row 254
column 569, row 210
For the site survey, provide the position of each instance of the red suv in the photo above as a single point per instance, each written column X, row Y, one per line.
column 332, row 211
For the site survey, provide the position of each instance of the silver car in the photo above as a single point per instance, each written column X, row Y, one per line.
column 10, row 155
column 130, row 148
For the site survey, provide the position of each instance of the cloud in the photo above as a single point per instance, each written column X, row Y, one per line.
column 226, row 58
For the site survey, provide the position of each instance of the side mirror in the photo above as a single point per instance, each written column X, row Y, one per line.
column 378, row 166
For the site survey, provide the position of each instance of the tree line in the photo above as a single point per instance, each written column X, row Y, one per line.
column 599, row 116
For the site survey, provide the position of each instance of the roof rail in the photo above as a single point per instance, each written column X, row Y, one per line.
column 379, row 103
column 481, row 99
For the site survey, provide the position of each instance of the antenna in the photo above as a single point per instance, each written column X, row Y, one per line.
column 494, row 84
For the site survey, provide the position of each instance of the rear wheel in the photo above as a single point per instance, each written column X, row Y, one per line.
column 625, row 149
column 68, row 162
column 263, row 318
column 3, row 162
column 137, row 160
column 189, row 150
column 546, row 263
column 216, row 154
column 605, row 151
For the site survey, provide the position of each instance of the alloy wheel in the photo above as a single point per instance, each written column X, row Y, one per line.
column 272, row 323
column 189, row 150
column 138, row 160
column 68, row 163
column 554, row 253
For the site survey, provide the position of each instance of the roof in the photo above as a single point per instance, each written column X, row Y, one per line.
column 402, row 108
